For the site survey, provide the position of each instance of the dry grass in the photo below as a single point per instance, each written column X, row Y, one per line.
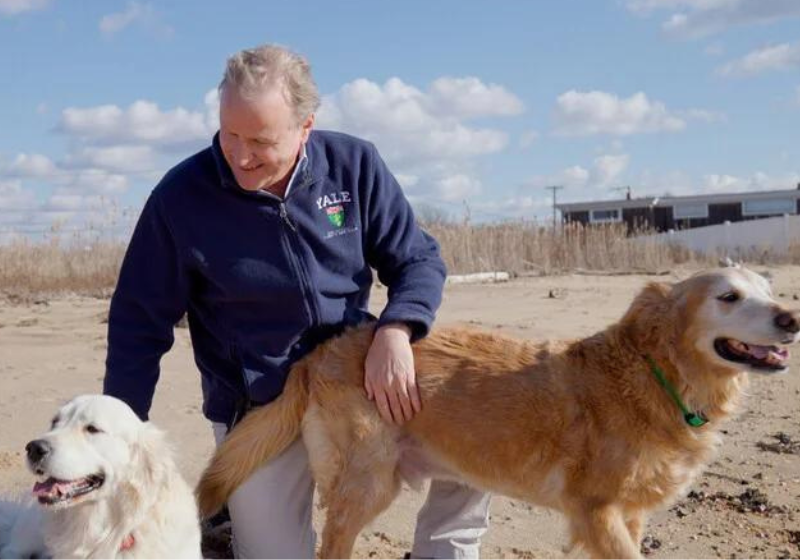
column 90, row 266
column 519, row 247
column 29, row 268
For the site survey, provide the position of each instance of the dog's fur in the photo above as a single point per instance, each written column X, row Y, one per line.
column 583, row 427
column 142, row 501
column 21, row 530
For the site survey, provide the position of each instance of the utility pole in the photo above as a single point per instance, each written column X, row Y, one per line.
column 627, row 190
column 555, row 189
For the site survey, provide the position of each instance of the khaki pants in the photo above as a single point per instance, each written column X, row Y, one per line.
column 271, row 513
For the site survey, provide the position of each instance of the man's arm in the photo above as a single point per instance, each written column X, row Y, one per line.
column 406, row 258
column 149, row 299
column 408, row 262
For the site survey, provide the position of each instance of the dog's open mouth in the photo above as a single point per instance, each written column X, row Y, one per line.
column 771, row 358
column 53, row 491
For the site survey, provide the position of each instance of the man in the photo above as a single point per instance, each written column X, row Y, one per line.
column 267, row 239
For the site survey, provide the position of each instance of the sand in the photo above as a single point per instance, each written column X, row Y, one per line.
column 746, row 504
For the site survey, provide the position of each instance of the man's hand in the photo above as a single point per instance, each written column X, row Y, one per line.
column 389, row 377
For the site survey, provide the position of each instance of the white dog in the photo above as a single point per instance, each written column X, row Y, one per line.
column 109, row 487
column 21, row 530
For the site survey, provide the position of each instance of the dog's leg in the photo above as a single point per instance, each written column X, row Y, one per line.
column 360, row 496
column 635, row 521
column 603, row 532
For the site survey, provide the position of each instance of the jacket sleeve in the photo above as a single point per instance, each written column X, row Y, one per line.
column 405, row 257
column 150, row 297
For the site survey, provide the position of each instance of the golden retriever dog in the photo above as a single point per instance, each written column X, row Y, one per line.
column 603, row 429
column 109, row 487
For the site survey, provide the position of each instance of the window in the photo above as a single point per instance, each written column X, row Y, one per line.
column 769, row 207
column 611, row 215
column 689, row 210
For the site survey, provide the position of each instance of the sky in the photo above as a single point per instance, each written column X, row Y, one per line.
column 476, row 106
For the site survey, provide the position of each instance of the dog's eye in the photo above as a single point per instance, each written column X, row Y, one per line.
column 729, row 297
column 92, row 429
column 53, row 422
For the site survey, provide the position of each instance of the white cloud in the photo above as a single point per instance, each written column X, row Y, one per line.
column 14, row 197
column 30, row 165
column 408, row 124
column 785, row 56
column 406, row 181
column 758, row 181
column 513, row 207
column 211, row 102
column 598, row 112
column 72, row 202
column 697, row 18
column 14, row 7
column 426, row 136
column 608, row 168
column 679, row 183
column 143, row 121
column 469, row 98
column 123, row 159
column 570, row 177
column 91, row 180
column 457, row 187
column 136, row 13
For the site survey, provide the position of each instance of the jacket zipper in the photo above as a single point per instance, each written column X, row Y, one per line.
column 285, row 216
column 298, row 264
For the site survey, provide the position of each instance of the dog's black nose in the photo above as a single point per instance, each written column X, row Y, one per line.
column 37, row 450
column 788, row 321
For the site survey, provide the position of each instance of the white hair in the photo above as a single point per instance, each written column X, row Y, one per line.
column 254, row 71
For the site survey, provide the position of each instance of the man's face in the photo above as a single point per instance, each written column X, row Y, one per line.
column 261, row 138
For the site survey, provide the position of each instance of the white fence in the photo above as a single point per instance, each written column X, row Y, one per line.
column 775, row 235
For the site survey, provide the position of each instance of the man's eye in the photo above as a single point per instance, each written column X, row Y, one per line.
column 92, row 429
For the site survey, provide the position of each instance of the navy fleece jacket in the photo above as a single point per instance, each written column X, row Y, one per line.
column 264, row 280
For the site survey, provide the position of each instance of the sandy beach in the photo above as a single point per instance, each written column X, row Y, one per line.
column 746, row 504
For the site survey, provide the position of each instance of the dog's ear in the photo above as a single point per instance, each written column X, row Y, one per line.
column 727, row 262
column 649, row 316
column 151, row 460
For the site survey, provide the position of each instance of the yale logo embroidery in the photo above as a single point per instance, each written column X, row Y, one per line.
column 333, row 204
column 336, row 215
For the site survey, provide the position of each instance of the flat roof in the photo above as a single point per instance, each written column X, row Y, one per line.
column 648, row 201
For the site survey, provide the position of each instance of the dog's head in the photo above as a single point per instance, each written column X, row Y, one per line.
column 732, row 319
column 726, row 319
column 95, row 447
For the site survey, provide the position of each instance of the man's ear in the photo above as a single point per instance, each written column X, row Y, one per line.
column 307, row 125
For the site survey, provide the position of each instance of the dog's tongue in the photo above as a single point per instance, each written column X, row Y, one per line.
column 758, row 352
column 49, row 487
column 769, row 353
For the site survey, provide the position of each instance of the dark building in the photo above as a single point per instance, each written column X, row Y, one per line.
column 683, row 212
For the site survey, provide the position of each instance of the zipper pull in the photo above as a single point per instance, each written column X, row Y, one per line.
column 285, row 216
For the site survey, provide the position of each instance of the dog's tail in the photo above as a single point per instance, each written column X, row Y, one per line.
column 262, row 435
